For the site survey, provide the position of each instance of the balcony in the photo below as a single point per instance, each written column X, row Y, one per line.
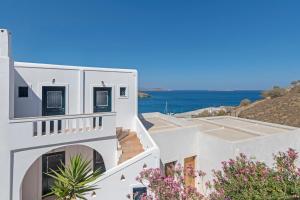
column 35, row 131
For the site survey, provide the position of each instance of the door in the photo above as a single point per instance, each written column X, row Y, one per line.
column 102, row 99
column 53, row 100
column 98, row 162
column 189, row 168
column 50, row 161
column 53, row 103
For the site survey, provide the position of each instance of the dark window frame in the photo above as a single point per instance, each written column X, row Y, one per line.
column 137, row 192
column 23, row 92
column 125, row 91
column 45, row 178
column 170, row 166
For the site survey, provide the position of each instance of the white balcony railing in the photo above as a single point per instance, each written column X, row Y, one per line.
column 64, row 127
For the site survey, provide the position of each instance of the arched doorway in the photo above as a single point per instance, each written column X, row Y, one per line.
column 37, row 183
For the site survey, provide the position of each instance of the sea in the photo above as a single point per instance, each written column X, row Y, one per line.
column 179, row 101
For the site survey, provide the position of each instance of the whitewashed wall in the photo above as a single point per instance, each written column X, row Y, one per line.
column 175, row 146
column 125, row 107
column 35, row 79
column 179, row 143
column 263, row 148
column 79, row 83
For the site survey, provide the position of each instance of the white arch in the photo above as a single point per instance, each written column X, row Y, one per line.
column 27, row 158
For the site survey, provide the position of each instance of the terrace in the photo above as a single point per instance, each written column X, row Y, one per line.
column 228, row 128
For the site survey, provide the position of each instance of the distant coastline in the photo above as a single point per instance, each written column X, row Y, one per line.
column 180, row 101
column 154, row 90
column 142, row 95
column 204, row 90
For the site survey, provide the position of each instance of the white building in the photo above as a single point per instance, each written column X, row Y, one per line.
column 51, row 112
column 205, row 142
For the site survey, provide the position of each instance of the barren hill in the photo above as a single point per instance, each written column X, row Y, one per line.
column 282, row 110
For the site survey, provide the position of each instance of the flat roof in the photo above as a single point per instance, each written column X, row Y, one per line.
column 71, row 67
column 224, row 127
column 157, row 124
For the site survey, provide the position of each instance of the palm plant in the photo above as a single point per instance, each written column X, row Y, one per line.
column 74, row 180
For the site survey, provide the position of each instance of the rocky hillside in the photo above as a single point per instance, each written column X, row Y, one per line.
column 284, row 109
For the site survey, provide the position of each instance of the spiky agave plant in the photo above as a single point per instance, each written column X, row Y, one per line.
column 74, row 180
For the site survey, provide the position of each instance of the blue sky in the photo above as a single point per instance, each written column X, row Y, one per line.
column 215, row 45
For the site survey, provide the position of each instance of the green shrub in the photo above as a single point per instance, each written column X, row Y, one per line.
column 294, row 83
column 220, row 113
column 274, row 93
column 204, row 113
column 296, row 89
column 245, row 102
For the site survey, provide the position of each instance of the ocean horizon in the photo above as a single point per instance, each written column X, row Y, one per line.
column 179, row 101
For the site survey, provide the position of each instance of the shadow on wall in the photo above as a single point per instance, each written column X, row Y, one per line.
column 36, row 182
column 146, row 123
column 30, row 106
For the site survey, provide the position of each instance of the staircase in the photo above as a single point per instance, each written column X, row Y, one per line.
column 130, row 145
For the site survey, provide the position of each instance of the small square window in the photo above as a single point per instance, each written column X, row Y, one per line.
column 138, row 192
column 123, row 92
column 23, row 92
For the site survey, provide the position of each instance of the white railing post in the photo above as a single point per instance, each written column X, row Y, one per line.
column 77, row 124
column 90, row 120
column 63, row 126
column 47, row 124
column 55, row 128
column 97, row 123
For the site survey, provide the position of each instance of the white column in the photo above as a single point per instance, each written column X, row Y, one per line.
column 7, row 111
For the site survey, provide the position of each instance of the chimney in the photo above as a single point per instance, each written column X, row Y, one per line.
column 4, row 43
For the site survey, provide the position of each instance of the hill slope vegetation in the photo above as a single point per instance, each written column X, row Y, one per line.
column 282, row 109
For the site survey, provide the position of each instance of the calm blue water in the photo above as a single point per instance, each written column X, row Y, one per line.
column 183, row 101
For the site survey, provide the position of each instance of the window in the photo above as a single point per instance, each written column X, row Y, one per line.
column 123, row 92
column 138, row 192
column 170, row 168
column 98, row 162
column 101, row 98
column 52, row 161
column 54, row 99
column 23, row 92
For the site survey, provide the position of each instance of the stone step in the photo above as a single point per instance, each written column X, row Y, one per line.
column 122, row 133
column 132, row 148
column 129, row 137
column 130, row 145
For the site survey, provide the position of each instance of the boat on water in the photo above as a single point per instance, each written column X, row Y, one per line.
column 166, row 111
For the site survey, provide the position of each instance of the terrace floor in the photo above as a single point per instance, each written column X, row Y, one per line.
column 225, row 127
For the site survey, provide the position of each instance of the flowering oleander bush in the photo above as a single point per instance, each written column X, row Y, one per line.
column 240, row 178
column 169, row 187
column 244, row 178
